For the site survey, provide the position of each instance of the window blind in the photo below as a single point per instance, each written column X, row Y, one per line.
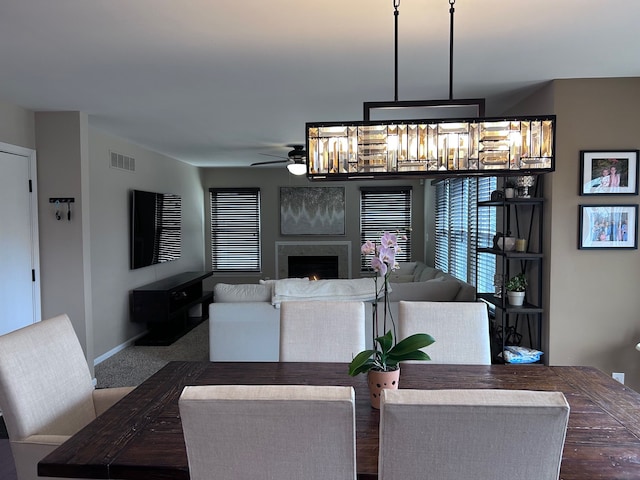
column 235, row 229
column 385, row 209
column 486, row 224
column 462, row 228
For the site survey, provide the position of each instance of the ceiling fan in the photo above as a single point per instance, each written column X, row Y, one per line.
column 295, row 160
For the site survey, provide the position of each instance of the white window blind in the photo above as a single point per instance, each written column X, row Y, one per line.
column 235, row 229
column 385, row 209
column 461, row 228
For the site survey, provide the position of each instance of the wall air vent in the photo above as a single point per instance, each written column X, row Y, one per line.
column 122, row 162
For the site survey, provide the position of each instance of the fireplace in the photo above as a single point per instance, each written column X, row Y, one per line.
column 320, row 250
column 315, row 267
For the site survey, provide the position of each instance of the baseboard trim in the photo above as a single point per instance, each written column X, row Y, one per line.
column 117, row 349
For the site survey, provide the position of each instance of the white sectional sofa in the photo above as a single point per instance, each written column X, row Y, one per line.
column 244, row 319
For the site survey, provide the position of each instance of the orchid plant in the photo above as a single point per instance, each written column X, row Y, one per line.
column 387, row 353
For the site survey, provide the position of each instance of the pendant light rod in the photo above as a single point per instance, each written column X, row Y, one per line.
column 396, row 4
column 451, row 11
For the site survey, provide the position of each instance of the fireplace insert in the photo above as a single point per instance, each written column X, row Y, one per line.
column 316, row 267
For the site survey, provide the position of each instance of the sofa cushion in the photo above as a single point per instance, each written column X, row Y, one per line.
column 427, row 274
column 400, row 278
column 246, row 292
column 435, row 290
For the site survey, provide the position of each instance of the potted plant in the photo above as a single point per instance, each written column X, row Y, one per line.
column 381, row 364
column 516, row 286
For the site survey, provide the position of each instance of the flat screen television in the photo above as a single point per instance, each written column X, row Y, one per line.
column 155, row 228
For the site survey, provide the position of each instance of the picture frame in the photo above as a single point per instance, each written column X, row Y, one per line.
column 596, row 177
column 312, row 211
column 608, row 227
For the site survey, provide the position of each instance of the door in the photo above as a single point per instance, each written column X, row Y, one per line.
column 19, row 276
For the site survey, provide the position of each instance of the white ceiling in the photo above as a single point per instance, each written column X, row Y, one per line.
column 216, row 83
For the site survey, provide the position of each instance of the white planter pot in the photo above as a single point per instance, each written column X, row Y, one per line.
column 516, row 299
column 509, row 192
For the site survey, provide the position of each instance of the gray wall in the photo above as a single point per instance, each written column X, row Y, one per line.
column 270, row 179
column 109, row 190
column 64, row 245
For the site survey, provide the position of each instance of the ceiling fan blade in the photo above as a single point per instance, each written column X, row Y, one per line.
column 268, row 163
column 275, row 156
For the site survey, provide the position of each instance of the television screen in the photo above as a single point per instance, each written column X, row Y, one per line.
column 155, row 228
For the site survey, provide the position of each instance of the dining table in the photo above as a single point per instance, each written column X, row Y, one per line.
column 141, row 436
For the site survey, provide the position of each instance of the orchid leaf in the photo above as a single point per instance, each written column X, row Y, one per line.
column 412, row 343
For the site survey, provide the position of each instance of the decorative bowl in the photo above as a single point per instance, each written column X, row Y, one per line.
column 507, row 244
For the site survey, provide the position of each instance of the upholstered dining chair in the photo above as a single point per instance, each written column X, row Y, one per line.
column 46, row 390
column 471, row 434
column 460, row 330
column 320, row 331
column 269, row 431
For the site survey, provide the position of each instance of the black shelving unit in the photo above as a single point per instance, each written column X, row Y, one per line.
column 523, row 217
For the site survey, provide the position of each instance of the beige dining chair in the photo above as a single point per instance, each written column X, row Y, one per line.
column 46, row 390
column 471, row 434
column 269, row 431
column 319, row 331
column 460, row 330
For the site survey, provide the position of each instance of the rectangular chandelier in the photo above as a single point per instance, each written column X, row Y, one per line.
column 430, row 148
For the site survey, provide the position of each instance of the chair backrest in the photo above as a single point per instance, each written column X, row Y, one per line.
column 460, row 330
column 269, row 431
column 479, row 434
column 319, row 331
column 45, row 383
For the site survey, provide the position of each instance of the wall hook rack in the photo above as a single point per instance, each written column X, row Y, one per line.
column 58, row 201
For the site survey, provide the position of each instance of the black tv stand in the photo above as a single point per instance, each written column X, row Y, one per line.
column 164, row 306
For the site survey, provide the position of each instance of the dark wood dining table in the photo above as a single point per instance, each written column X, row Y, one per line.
column 141, row 436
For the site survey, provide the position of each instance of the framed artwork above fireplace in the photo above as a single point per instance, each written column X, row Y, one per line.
column 312, row 211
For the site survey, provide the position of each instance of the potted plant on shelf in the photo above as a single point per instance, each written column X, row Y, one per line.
column 381, row 364
column 516, row 286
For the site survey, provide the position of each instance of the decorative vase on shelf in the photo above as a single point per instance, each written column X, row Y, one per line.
column 378, row 381
column 524, row 183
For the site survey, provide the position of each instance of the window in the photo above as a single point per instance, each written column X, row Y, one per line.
column 461, row 228
column 385, row 208
column 235, row 229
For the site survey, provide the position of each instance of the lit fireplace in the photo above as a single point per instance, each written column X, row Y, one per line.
column 319, row 252
column 315, row 267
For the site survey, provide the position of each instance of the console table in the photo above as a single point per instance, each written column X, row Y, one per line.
column 164, row 306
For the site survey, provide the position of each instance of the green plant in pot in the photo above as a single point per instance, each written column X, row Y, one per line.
column 516, row 286
column 381, row 364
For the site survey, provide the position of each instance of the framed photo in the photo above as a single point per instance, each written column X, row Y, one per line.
column 604, row 172
column 608, row 226
column 312, row 211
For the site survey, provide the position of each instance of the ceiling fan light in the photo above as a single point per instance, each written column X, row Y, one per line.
column 297, row 168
